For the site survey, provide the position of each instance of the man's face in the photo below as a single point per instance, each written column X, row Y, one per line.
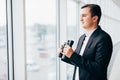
column 86, row 18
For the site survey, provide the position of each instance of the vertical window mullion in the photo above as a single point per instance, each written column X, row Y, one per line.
column 63, row 35
column 18, row 39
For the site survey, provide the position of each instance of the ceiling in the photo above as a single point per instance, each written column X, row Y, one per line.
column 117, row 2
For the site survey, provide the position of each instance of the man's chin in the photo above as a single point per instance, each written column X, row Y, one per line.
column 84, row 27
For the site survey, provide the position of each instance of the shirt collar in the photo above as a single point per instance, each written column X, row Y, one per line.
column 88, row 34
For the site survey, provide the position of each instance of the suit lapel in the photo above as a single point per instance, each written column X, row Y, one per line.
column 90, row 41
column 88, row 44
column 81, row 42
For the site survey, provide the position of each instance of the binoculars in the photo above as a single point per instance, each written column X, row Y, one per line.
column 70, row 43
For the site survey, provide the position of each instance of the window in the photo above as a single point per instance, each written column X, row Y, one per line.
column 41, row 39
column 71, row 31
column 3, row 42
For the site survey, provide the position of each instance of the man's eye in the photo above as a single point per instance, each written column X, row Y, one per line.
column 84, row 15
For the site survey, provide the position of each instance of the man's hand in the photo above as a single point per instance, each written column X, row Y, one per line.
column 67, row 51
column 60, row 50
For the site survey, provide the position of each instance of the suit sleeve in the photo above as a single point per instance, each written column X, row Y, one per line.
column 103, row 50
column 68, row 60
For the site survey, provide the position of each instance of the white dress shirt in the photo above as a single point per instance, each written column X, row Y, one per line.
column 88, row 34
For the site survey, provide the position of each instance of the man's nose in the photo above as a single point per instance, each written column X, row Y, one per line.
column 81, row 19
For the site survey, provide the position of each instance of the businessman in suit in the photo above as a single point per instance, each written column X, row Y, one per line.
column 94, row 49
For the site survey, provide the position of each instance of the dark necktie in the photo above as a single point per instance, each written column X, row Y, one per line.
column 75, row 68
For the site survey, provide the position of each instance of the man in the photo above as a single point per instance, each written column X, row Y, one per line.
column 93, row 52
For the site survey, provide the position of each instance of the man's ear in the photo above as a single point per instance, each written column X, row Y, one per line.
column 95, row 18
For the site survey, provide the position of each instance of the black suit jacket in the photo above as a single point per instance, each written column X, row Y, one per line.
column 94, row 62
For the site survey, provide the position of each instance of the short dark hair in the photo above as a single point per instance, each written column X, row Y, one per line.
column 94, row 9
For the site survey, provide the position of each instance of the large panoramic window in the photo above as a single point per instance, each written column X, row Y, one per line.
column 3, row 42
column 71, row 31
column 41, row 39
